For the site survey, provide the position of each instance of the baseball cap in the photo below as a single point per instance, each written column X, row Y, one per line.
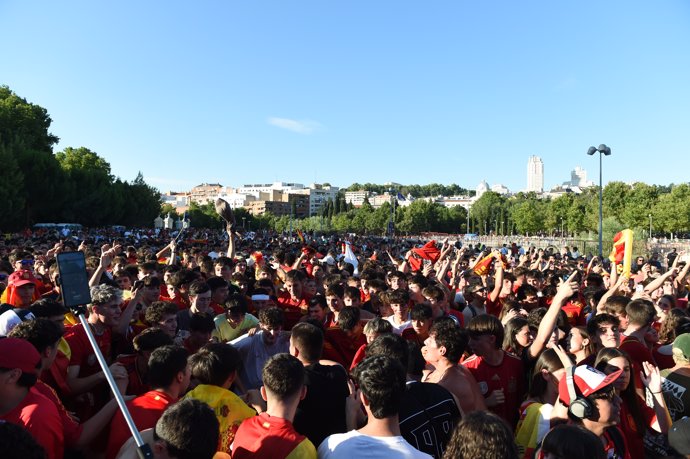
column 21, row 277
column 13, row 317
column 19, row 353
column 679, row 436
column 682, row 344
column 587, row 381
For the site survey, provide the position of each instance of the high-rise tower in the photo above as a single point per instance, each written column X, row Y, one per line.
column 535, row 174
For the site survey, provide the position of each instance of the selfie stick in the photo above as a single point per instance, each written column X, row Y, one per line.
column 143, row 450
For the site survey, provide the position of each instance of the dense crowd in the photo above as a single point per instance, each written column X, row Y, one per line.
column 264, row 345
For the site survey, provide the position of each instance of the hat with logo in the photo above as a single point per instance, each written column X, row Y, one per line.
column 587, row 381
column 21, row 277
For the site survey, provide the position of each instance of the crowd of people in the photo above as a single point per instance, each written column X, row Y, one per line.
column 341, row 346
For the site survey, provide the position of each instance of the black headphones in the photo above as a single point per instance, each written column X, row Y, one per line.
column 579, row 407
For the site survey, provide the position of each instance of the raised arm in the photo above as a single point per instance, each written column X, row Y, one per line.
column 566, row 290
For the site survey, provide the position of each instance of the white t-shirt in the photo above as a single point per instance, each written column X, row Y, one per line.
column 398, row 329
column 355, row 445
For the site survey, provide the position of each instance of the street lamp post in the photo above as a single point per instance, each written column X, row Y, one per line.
column 603, row 151
column 650, row 226
column 562, row 235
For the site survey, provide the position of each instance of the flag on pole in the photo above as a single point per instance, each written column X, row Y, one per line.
column 622, row 250
column 300, row 235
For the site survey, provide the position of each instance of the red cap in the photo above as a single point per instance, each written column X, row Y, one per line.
column 587, row 380
column 21, row 277
column 19, row 353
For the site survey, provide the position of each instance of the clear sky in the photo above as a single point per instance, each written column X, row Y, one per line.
column 359, row 90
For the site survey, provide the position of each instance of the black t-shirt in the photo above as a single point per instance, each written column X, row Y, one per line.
column 428, row 414
column 322, row 412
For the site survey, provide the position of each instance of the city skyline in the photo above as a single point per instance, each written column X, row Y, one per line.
column 318, row 92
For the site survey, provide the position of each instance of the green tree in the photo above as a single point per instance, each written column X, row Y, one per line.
column 672, row 213
column 485, row 209
column 615, row 199
column 89, row 192
column 639, row 204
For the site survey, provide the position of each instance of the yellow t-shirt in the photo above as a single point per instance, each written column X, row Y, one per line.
column 229, row 408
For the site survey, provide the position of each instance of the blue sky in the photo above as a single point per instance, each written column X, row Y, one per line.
column 359, row 91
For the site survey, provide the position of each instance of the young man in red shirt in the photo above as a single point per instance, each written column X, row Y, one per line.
column 84, row 375
column 343, row 340
column 500, row 375
column 271, row 434
column 293, row 301
column 20, row 403
column 137, row 364
column 45, row 336
column 641, row 315
column 169, row 376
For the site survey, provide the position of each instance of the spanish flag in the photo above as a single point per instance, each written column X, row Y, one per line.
column 622, row 250
column 300, row 235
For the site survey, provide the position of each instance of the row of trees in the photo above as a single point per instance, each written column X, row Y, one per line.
column 632, row 206
column 75, row 185
column 664, row 210
column 416, row 191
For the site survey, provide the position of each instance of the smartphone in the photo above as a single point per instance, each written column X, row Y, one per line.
column 74, row 280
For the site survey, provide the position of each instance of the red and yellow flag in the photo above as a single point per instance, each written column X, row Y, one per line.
column 622, row 250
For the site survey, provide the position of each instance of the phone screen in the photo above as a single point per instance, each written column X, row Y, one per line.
column 74, row 280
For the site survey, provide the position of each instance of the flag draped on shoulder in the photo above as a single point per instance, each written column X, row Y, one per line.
column 622, row 250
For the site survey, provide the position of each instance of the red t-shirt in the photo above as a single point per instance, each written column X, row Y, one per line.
column 269, row 436
column 145, row 410
column 71, row 429
column 638, row 353
column 508, row 375
column 40, row 417
column 359, row 356
column 293, row 309
column 136, row 385
column 340, row 347
column 84, row 357
column 633, row 437
column 494, row 307
column 410, row 335
column 56, row 375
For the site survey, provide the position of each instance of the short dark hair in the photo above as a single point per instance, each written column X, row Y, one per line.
column 348, row 318
column 295, row 276
column 214, row 363
column 599, row 319
column 164, row 365
column 486, row 324
column 308, row 339
column 398, row 297
column 640, row 312
column 283, row 376
column 41, row 333
column 452, row 338
column 189, row 429
column 391, row 345
column 216, row 282
column 198, row 287
column 47, row 307
column 18, row 442
column 335, row 290
column 382, row 381
column 159, row 309
column 421, row 311
column 150, row 339
column 236, row 301
column 272, row 317
column 318, row 300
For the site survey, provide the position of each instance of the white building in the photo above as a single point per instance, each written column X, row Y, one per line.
column 318, row 196
column 578, row 178
column 535, row 174
column 356, row 198
column 454, row 201
column 482, row 188
column 500, row 189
